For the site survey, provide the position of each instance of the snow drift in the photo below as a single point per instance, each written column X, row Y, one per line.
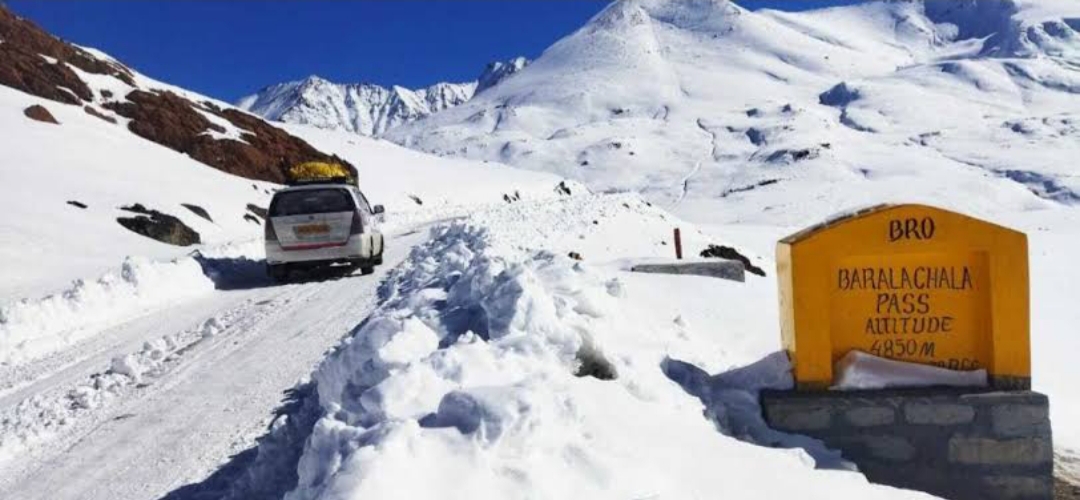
column 31, row 328
column 478, row 377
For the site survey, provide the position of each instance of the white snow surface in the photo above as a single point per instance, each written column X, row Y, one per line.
column 462, row 384
column 862, row 371
column 45, row 242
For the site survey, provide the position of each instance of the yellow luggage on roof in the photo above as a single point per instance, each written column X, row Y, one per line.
column 314, row 170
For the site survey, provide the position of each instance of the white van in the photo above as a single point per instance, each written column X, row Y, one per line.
column 319, row 224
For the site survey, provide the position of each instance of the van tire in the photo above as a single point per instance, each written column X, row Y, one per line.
column 366, row 270
column 278, row 273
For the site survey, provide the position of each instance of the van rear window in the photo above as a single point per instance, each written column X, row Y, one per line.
column 311, row 201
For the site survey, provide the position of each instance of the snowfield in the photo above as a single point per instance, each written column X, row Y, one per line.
column 782, row 118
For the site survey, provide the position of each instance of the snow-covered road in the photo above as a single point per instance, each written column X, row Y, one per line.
column 210, row 401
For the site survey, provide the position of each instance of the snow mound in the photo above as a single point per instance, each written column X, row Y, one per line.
column 30, row 328
column 496, row 371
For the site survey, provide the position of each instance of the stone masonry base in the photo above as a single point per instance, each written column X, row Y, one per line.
column 952, row 443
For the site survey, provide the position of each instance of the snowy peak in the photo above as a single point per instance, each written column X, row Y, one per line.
column 361, row 108
column 498, row 71
column 366, row 108
column 697, row 15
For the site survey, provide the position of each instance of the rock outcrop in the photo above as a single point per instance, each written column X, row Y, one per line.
column 159, row 226
column 40, row 113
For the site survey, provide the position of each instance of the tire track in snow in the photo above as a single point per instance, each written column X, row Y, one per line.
column 213, row 403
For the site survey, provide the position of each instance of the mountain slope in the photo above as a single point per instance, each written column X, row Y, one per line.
column 736, row 115
column 365, row 108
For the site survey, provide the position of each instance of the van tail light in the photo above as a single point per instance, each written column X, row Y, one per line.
column 357, row 224
column 269, row 232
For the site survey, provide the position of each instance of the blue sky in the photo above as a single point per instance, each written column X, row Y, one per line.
column 227, row 49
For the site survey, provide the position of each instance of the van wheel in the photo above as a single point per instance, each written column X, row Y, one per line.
column 278, row 273
column 366, row 270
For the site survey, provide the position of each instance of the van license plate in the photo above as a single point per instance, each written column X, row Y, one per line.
column 311, row 229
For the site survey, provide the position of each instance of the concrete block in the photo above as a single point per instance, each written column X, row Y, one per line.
column 950, row 442
column 1020, row 486
column 870, row 416
column 1020, row 420
column 890, row 448
column 938, row 413
column 724, row 269
column 985, row 451
column 799, row 418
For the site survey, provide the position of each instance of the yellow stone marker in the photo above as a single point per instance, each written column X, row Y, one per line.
column 906, row 282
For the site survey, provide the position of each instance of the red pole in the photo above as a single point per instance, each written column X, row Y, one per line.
column 678, row 244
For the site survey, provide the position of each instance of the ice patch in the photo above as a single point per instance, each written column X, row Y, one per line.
column 861, row 371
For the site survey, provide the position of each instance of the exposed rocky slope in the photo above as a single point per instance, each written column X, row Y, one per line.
column 366, row 108
column 38, row 63
column 498, row 71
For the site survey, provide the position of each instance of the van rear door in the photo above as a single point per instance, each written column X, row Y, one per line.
column 312, row 218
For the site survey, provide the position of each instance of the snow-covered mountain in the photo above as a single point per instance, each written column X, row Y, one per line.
column 725, row 113
column 362, row 108
column 366, row 108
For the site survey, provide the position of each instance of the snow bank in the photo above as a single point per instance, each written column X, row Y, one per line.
column 497, row 371
column 33, row 328
column 861, row 371
column 35, row 421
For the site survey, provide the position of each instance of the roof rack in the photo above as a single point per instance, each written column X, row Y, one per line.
column 341, row 179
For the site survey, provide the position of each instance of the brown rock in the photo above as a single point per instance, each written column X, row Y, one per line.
column 729, row 253
column 257, row 210
column 39, row 113
column 25, row 69
column 90, row 110
column 159, row 226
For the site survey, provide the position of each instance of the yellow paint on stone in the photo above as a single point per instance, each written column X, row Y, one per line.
column 907, row 282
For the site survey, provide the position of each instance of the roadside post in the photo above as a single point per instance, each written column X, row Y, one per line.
column 678, row 244
column 930, row 287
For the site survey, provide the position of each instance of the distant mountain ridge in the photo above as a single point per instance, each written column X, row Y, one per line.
column 366, row 108
column 707, row 107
